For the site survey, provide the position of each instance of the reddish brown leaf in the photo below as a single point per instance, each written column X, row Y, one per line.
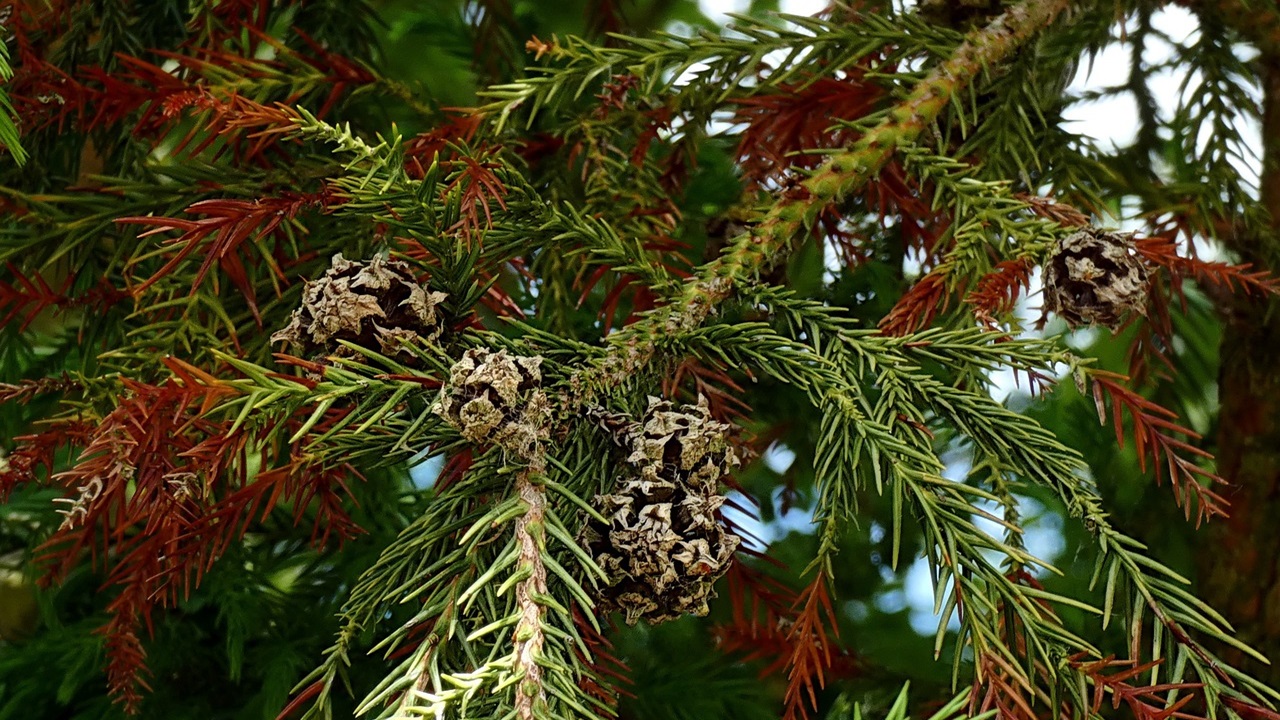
column 1157, row 439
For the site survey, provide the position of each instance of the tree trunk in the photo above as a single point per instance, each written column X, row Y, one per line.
column 1239, row 559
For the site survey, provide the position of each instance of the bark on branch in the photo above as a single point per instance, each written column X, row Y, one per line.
column 530, row 537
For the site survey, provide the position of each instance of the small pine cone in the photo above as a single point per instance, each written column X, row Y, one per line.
column 493, row 397
column 1095, row 278
column 377, row 305
column 663, row 548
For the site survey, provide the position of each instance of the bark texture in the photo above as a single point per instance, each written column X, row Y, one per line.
column 1239, row 561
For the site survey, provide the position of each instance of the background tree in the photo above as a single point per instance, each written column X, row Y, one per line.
column 404, row 359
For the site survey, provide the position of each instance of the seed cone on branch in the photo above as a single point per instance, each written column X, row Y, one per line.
column 377, row 305
column 496, row 398
column 663, row 549
column 1095, row 278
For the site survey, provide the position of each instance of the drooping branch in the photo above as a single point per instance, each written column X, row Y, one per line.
column 811, row 656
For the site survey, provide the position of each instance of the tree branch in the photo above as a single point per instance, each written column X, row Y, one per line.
column 530, row 535
column 846, row 172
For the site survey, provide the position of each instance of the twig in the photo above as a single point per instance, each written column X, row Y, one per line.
column 529, row 528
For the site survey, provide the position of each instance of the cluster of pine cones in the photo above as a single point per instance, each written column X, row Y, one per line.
column 661, row 545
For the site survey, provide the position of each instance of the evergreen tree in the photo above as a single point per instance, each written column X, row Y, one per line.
column 454, row 359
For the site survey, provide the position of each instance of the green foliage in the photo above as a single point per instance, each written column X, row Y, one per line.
column 8, row 131
column 822, row 225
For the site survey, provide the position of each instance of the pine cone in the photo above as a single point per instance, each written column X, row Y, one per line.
column 682, row 446
column 1095, row 278
column 377, row 305
column 663, row 549
column 494, row 398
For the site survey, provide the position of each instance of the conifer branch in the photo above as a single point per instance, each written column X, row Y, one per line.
column 1156, row 441
column 482, row 592
column 895, row 427
column 845, row 172
column 811, row 655
column 531, row 694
